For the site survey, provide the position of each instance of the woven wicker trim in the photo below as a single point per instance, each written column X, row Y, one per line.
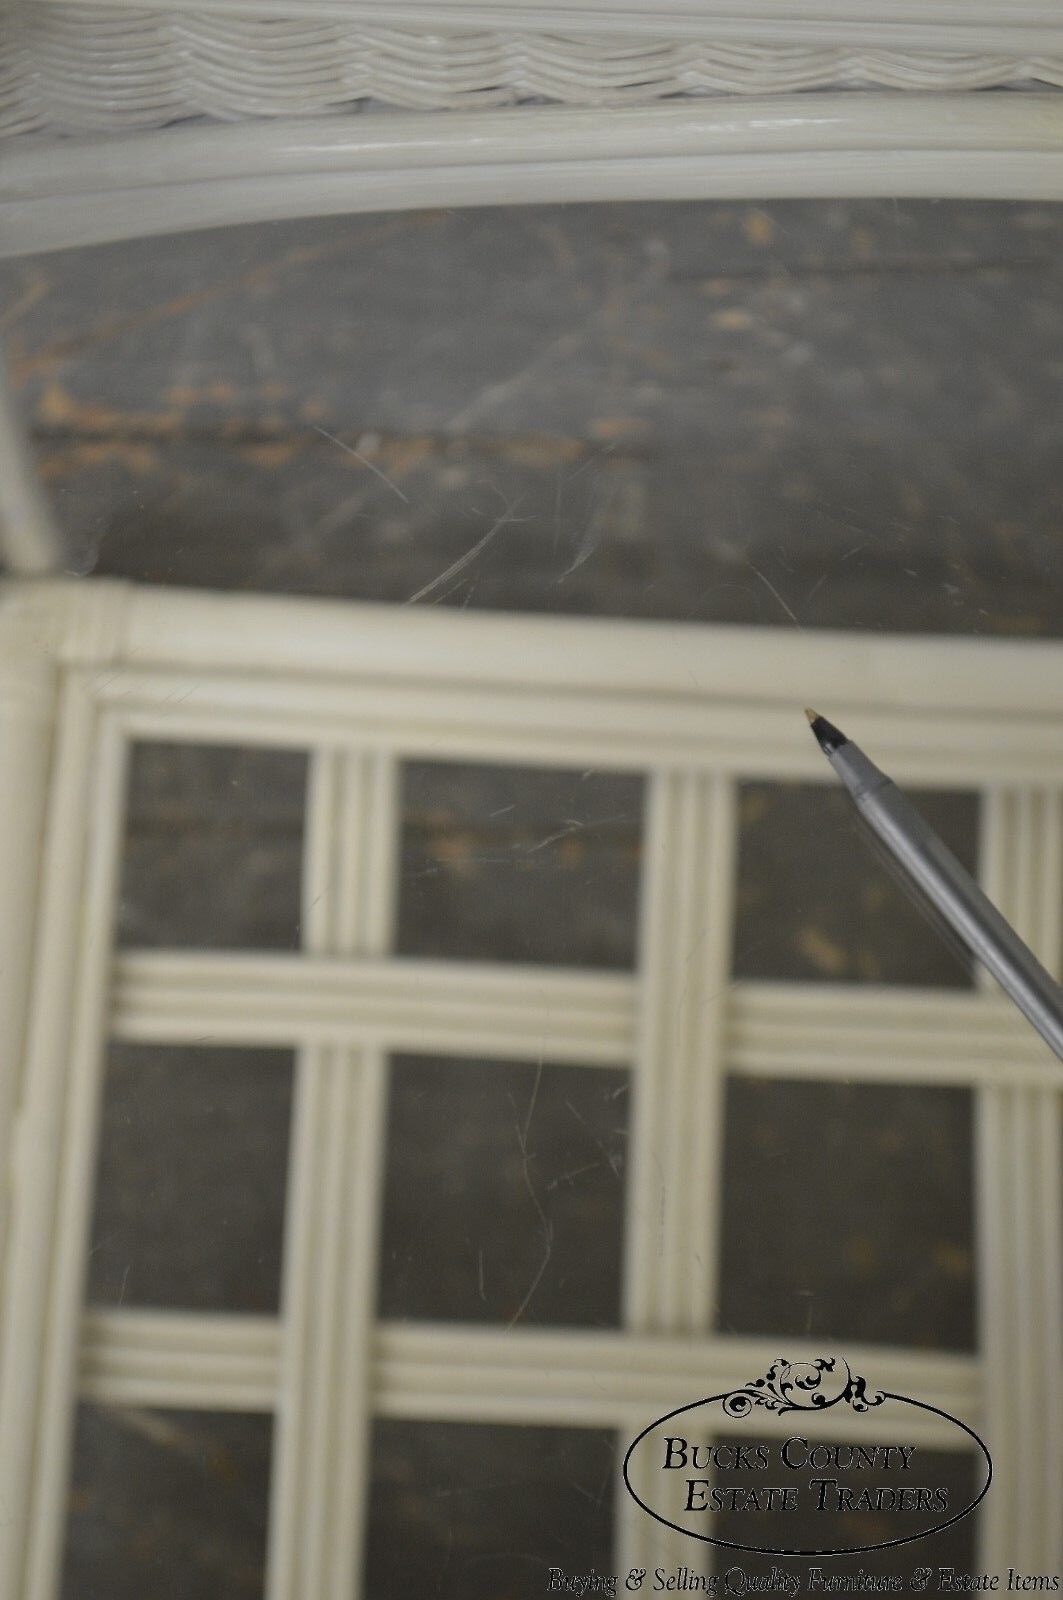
column 79, row 70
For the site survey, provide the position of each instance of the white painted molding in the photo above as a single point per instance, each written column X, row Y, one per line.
column 238, row 640
column 705, row 130
column 44, row 1265
column 960, row 25
column 29, row 685
column 82, row 69
column 55, row 194
column 1019, row 1197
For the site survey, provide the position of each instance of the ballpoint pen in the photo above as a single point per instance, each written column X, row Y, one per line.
column 931, row 866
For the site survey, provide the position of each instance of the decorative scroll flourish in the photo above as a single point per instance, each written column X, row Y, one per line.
column 803, row 1386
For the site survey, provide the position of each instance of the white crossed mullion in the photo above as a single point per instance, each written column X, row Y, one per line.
column 560, row 1377
column 453, row 1008
column 859, row 1033
column 685, row 941
column 1020, row 1199
column 211, row 1361
column 865, row 1034
column 320, row 1478
column 198, row 672
column 674, row 1192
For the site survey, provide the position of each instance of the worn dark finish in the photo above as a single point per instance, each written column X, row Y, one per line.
column 213, row 854
column 167, row 1503
column 192, row 1167
column 518, row 864
column 848, row 1213
column 459, row 1510
column 817, row 901
column 835, row 414
column 504, row 1196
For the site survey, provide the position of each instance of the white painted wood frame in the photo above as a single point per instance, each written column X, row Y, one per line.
column 86, row 668
column 57, row 193
column 197, row 113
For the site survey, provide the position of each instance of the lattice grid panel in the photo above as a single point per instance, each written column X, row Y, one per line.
column 88, row 669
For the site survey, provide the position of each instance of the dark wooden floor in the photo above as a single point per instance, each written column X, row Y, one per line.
column 795, row 415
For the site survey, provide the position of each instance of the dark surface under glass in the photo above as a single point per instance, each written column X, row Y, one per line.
column 797, row 416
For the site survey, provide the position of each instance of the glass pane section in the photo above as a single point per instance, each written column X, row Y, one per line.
column 816, row 901
column 167, row 1503
column 826, row 1474
column 520, row 864
column 504, row 1194
column 459, row 1509
column 848, row 1213
column 213, row 850
column 191, row 1178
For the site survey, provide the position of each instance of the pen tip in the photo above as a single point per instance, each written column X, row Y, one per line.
column 830, row 737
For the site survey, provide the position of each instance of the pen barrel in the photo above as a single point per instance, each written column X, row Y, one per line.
column 949, row 886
